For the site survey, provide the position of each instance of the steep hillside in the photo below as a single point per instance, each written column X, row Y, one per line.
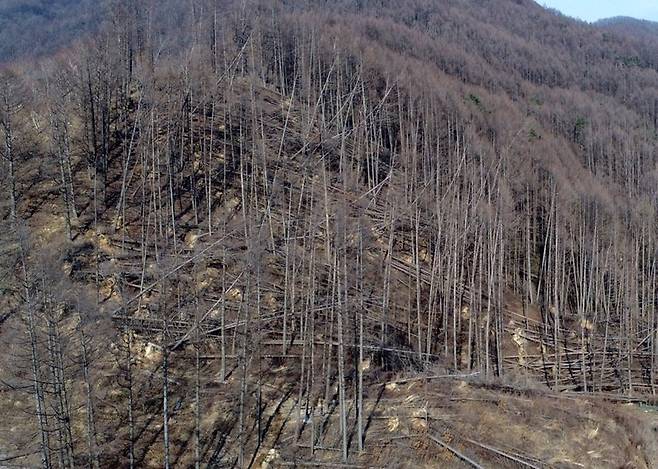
column 371, row 233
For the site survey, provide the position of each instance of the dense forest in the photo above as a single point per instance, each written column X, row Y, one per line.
column 359, row 233
column 623, row 25
column 33, row 28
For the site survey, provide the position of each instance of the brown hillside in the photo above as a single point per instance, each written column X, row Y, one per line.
column 365, row 234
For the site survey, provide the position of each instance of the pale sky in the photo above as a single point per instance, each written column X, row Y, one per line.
column 592, row 10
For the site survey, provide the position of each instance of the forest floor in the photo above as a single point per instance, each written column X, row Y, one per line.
column 436, row 419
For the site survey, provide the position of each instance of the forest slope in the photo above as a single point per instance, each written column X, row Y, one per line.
column 282, row 232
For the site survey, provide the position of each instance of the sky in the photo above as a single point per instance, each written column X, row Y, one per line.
column 592, row 10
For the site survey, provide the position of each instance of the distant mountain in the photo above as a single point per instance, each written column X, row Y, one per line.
column 625, row 25
column 30, row 28
column 628, row 21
